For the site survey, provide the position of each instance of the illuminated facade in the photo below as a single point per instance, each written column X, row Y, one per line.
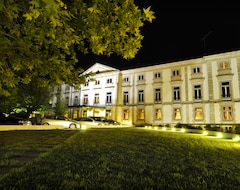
column 198, row 91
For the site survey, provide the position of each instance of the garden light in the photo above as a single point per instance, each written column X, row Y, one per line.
column 205, row 133
column 183, row 130
column 164, row 128
column 236, row 138
column 83, row 127
column 219, row 135
column 173, row 129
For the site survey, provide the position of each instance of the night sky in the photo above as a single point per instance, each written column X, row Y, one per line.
column 181, row 31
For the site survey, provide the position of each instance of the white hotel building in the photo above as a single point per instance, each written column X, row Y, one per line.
column 198, row 91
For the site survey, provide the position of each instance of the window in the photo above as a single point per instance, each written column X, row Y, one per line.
column 86, row 84
column 176, row 73
column 109, row 81
column 224, row 65
column 67, row 100
column 140, row 96
column 67, row 88
column 157, row 75
column 96, row 99
column 125, row 97
column 226, row 90
column 76, row 100
column 197, row 92
column 125, row 79
column 158, row 114
column 85, row 99
column 108, row 113
column 141, row 114
column 196, row 70
column 176, row 93
column 126, row 114
column 227, row 113
column 59, row 89
column 177, row 113
column 109, row 98
column 157, row 95
column 140, row 77
column 97, row 82
column 198, row 113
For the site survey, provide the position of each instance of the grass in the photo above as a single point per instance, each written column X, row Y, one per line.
column 130, row 158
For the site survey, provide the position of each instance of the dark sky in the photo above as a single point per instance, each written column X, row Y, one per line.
column 181, row 30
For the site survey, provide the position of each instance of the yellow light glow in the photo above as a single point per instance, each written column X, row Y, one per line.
column 183, row 130
column 236, row 138
column 205, row 133
column 173, row 129
column 219, row 135
column 155, row 128
column 164, row 128
column 83, row 127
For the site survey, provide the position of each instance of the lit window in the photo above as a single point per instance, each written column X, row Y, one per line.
column 96, row 99
column 140, row 96
column 109, row 98
column 226, row 90
column 157, row 75
column 85, row 99
column 227, row 113
column 196, row 70
column 224, row 65
column 198, row 113
column 158, row 114
column 157, row 95
column 197, row 92
column 177, row 113
column 125, row 97
column 126, row 114
column 140, row 77
column 141, row 114
column 176, row 93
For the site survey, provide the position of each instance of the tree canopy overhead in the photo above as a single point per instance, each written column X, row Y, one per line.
column 39, row 38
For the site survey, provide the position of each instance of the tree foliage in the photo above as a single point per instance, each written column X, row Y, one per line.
column 60, row 106
column 39, row 38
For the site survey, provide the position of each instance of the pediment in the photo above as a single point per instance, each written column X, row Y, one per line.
column 100, row 68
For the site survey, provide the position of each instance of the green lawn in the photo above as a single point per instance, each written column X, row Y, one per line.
column 127, row 158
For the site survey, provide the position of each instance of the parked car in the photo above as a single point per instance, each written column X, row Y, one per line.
column 113, row 122
column 64, row 121
column 86, row 122
column 14, row 119
column 105, row 120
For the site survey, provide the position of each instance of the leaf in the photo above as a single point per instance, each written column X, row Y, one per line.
column 149, row 14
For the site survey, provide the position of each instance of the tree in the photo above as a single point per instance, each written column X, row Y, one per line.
column 29, row 97
column 60, row 107
column 39, row 38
